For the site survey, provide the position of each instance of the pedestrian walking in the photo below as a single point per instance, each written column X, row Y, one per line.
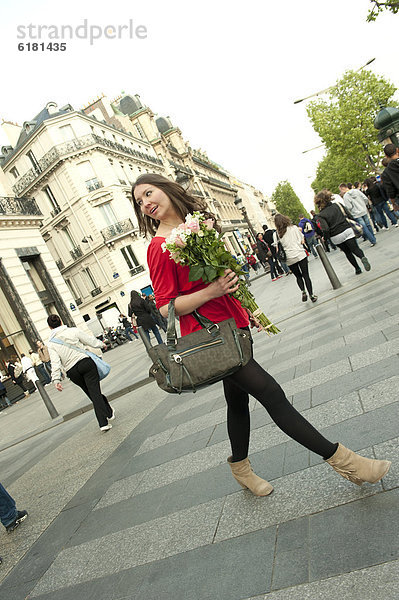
column 379, row 199
column 127, row 327
column 15, row 371
column 390, row 175
column 10, row 516
column 80, row 368
column 276, row 270
column 28, row 369
column 161, row 205
column 356, row 203
column 39, row 367
column 292, row 240
column 44, row 355
column 334, row 223
column 3, row 394
column 263, row 250
column 306, row 226
column 156, row 315
column 139, row 309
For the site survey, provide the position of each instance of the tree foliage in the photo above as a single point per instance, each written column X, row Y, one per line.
column 378, row 7
column 333, row 169
column 287, row 202
column 345, row 123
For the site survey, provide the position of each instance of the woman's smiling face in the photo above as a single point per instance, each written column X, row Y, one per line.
column 153, row 202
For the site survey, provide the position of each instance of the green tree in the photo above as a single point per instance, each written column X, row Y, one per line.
column 345, row 123
column 333, row 169
column 378, row 7
column 287, row 202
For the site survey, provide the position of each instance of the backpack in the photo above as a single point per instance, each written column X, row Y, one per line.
column 17, row 370
column 308, row 227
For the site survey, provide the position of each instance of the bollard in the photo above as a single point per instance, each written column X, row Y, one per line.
column 47, row 401
column 335, row 282
column 144, row 338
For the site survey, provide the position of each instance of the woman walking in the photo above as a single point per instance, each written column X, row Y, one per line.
column 15, row 371
column 80, row 368
column 263, row 250
column 160, row 206
column 293, row 242
column 333, row 220
column 141, row 310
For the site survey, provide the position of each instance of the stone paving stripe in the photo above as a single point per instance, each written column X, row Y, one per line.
column 378, row 394
column 163, row 537
column 373, row 355
column 264, row 437
column 380, row 581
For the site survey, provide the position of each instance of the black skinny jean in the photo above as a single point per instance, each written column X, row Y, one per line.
column 301, row 272
column 351, row 249
column 85, row 375
column 254, row 380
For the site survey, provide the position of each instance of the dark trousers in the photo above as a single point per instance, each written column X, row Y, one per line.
column 85, row 375
column 272, row 265
column 301, row 272
column 351, row 249
column 254, row 380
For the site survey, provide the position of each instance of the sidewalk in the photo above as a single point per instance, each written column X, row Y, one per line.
column 150, row 510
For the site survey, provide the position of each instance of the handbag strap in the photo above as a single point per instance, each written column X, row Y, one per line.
column 58, row 341
column 171, row 334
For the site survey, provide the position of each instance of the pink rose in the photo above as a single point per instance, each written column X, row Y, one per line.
column 194, row 225
column 180, row 242
column 209, row 224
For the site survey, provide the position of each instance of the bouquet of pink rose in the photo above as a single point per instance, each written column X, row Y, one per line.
column 196, row 244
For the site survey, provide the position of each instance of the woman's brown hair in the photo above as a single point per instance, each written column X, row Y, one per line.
column 181, row 200
column 282, row 222
column 323, row 199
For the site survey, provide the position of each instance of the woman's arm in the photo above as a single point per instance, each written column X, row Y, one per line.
column 184, row 305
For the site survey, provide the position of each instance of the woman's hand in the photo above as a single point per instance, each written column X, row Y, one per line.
column 228, row 284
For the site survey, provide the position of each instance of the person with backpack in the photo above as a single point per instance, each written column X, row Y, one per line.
column 292, row 240
column 15, row 371
column 306, row 226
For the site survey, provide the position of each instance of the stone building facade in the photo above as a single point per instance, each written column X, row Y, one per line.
column 31, row 286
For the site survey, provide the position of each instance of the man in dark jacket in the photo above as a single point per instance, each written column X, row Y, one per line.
column 390, row 176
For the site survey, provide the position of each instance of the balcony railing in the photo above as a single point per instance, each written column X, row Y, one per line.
column 117, row 229
column 19, row 206
column 76, row 252
column 95, row 292
column 78, row 301
column 58, row 152
column 137, row 270
column 56, row 211
column 59, row 264
column 94, row 184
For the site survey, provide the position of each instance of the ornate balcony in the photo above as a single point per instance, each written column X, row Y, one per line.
column 67, row 148
column 78, row 301
column 117, row 229
column 95, row 292
column 94, row 184
column 19, row 206
column 137, row 270
column 76, row 252
column 56, row 211
column 59, row 264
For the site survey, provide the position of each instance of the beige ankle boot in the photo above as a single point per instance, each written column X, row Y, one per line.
column 357, row 468
column 243, row 473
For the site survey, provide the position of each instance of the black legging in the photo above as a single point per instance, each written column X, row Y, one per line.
column 254, row 380
column 351, row 249
column 84, row 374
column 301, row 272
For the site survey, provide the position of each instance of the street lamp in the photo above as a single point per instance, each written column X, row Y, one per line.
column 332, row 86
column 240, row 205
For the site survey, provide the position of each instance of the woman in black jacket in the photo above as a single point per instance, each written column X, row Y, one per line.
column 262, row 250
column 333, row 221
column 140, row 309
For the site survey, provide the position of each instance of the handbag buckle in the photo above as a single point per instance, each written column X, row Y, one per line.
column 209, row 329
column 177, row 358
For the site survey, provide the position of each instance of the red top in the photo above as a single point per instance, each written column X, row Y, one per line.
column 171, row 280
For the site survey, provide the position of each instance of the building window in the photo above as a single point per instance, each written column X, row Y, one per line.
column 14, row 172
column 130, row 257
column 34, row 161
column 140, row 130
column 52, row 199
column 69, row 237
column 67, row 133
column 108, row 213
column 90, row 279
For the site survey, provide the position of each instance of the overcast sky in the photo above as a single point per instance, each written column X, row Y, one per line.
column 226, row 72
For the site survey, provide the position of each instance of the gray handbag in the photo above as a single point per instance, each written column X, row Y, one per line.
column 200, row 358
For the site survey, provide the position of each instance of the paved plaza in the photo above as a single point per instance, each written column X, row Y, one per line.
column 150, row 510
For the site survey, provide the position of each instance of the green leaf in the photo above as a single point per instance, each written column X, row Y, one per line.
column 210, row 273
column 196, row 272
